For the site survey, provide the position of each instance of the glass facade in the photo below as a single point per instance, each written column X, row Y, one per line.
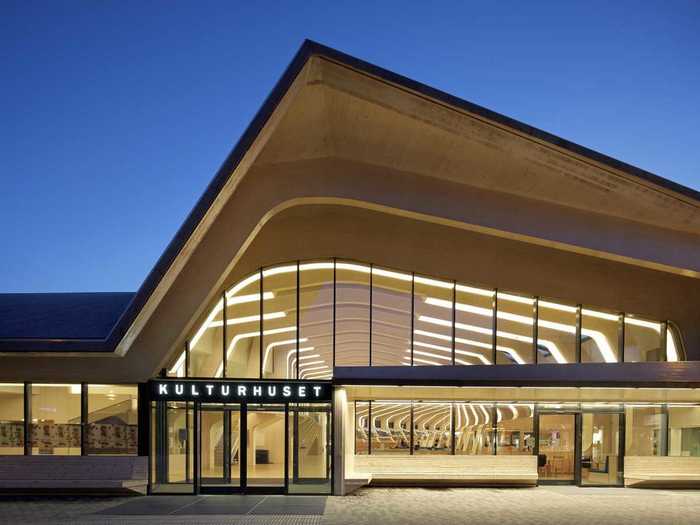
column 112, row 419
column 56, row 422
column 11, row 419
column 299, row 320
column 68, row 419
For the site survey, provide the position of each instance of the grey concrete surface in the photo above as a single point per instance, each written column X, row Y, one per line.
column 559, row 505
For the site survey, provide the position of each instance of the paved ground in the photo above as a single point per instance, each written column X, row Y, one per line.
column 535, row 506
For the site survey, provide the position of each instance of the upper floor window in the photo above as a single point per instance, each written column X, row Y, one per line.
column 299, row 320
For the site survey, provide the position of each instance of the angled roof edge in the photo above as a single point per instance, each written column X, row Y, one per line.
column 308, row 49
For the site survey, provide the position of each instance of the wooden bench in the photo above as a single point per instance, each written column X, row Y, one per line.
column 662, row 471
column 445, row 470
column 73, row 474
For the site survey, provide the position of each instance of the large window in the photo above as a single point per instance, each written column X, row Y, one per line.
column 645, row 432
column 556, row 332
column 432, row 428
column 243, row 329
column 684, row 430
column 515, row 321
column 279, row 322
column 474, row 321
column 11, row 419
column 112, row 424
column 315, row 320
column 642, row 340
column 474, row 433
column 515, row 430
column 352, row 319
column 55, row 427
column 362, row 427
column 299, row 320
column 391, row 427
column 391, row 316
column 433, row 308
column 600, row 335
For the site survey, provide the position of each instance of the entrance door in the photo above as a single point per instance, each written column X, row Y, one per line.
column 309, row 449
column 601, row 448
column 556, row 448
column 219, row 444
column 267, row 446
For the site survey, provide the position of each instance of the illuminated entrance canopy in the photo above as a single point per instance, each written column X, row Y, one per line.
column 233, row 391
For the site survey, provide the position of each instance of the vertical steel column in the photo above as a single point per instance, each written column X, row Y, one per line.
column 411, row 443
column 260, row 346
column 298, row 316
column 621, row 337
column 188, row 373
column 334, row 302
column 243, row 446
column 664, row 342
column 494, row 419
column 223, row 335
column 535, row 328
column 83, row 419
column 452, row 428
column 579, row 321
column 27, row 419
column 227, row 446
column 494, row 324
column 665, row 431
column 286, row 436
column 143, row 405
column 454, row 322
column 413, row 310
column 371, row 267
column 369, row 429
column 197, row 447
column 622, row 445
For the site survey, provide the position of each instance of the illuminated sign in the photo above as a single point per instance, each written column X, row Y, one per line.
column 233, row 391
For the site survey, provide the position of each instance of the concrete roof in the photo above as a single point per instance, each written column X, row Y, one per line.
column 567, row 174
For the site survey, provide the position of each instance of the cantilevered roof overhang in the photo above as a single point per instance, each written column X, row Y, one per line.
column 365, row 128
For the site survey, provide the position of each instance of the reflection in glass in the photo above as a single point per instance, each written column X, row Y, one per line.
column 11, row 419
column 352, row 314
column 433, row 303
column 556, row 447
column 112, row 425
column 642, row 340
column 645, row 432
column 515, row 434
column 315, row 321
column 266, row 445
column 474, row 427
column 556, row 332
column 279, row 320
column 474, row 325
column 391, row 316
column 600, row 449
column 514, row 329
column 432, row 428
column 391, row 427
column 599, row 336
column 309, row 449
column 361, row 427
column 206, row 345
column 243, row 328
column 684, row 430
column 55, row 423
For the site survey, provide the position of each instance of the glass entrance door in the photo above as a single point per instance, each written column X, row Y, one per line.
column 601, row 453
column 309, row 449
column 556, row 448
column 267, row 446
column 219, row 444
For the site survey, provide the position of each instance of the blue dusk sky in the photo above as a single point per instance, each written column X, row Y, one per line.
column 115, row 115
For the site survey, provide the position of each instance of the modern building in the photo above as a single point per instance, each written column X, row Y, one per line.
column 382, row 284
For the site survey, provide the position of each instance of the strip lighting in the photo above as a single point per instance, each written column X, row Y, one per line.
column 248, row 319
column 271, row 346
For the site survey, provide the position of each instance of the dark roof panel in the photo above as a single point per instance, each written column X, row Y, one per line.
column 61, row 315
